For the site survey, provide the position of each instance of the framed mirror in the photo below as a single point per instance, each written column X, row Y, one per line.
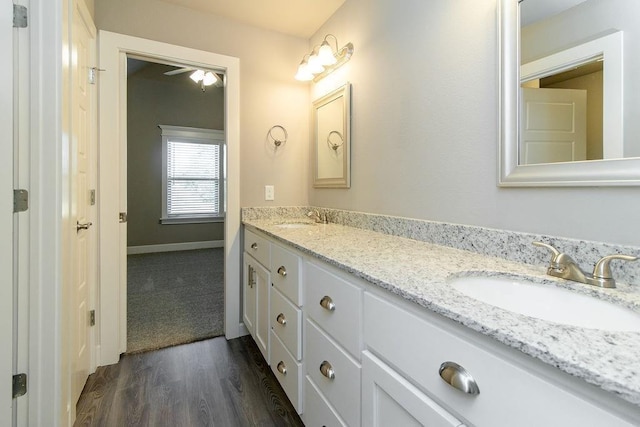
column 332, row 140
column 569, row 75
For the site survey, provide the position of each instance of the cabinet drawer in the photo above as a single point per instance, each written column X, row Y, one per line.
column 341, row 312
column 388, row 399
column 285, row 269
column 509, row 393
column 258, row 247
column 288, row 372
column 317, row 411
column 286, row 323
column 343, row 390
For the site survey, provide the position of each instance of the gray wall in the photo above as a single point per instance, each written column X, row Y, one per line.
column 269, row 95
column 425, row 126
column 425, row 115
column 154, row 99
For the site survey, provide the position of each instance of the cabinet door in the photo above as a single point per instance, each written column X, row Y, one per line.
column 249, row 296
column 262, row 284
column 388, row 399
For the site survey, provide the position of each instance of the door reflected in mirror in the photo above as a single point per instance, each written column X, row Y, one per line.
column 562, row 114
column 331, row 139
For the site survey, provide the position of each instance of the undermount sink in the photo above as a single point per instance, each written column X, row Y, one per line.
column 548, row 302
column 296, row 225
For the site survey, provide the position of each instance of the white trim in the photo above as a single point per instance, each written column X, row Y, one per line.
column 613, row 172
column 46, row 211
column 172, row 247
column 6, row 213
column 113, row 52
column 196, row 136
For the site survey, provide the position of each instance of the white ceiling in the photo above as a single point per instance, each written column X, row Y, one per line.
column 300, row 18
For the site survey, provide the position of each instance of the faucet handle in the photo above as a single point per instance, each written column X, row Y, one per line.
column 602, row 270
column 555, row 253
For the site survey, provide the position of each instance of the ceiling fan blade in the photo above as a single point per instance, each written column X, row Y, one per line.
column 178, row 71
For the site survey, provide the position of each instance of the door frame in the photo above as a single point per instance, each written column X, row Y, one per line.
column 112, row 142
column 6, row 212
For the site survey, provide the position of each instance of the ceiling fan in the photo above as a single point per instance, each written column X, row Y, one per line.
column 205, row 78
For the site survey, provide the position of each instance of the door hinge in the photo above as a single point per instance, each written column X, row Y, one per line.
column 19, row 16
column 19, row 385
column 93, row 74
column 92, row 318
column 20, row 200
column 123, row 217
column 92, row 197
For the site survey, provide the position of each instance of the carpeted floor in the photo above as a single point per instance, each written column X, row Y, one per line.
column 174, row 298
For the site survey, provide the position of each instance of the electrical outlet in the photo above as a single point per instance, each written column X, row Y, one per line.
column 269, row 192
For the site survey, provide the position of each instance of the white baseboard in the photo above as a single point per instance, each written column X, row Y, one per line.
column 170, row 247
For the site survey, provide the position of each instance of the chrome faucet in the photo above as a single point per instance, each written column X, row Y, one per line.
column 315, row 215
column 563, row 266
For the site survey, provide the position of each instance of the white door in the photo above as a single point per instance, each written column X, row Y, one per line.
column 6, row 212
column 553, row 125
column 84, row 168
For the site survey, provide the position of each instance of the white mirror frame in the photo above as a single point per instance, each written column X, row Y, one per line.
column 610, row 172
column 343, row 93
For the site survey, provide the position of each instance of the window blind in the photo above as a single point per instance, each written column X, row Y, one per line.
column 193, row 178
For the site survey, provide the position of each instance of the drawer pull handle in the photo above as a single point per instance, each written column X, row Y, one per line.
column 281, row 319
column 254, row 246
column 282, row 271
column 327, row 303
column 282, row 368
column 327, row 370
column 457, row 377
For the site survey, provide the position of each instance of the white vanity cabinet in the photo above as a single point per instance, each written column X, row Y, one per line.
column 256, row 284
column 512, row 391
column 286, row 322
column 333, row 346
column 349, row 353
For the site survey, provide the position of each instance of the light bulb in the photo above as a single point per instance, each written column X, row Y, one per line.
column 197, row 75
column 209, row 78
column 314, row 64
column 303, row 73
column 325, row 54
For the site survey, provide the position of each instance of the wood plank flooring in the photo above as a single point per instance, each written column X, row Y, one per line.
column 208, row 383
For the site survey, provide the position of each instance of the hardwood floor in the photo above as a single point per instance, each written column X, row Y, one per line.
column 213, row 382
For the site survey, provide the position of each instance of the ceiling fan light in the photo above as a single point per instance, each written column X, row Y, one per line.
column 209, row 78
column 197, row 75
column 325, row 54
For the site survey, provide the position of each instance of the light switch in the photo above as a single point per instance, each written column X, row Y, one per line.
column 269, row 192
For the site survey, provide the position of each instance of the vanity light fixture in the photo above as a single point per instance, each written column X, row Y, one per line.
column 204, row 78
column 323, row 60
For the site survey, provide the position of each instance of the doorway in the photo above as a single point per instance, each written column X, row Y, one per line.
column 114, row 49
column 175, row 204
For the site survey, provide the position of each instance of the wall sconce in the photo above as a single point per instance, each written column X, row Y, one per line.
column 204, row 78
column 276, row 139
column 323, row 60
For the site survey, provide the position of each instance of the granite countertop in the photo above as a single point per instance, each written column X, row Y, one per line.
column 420, row 272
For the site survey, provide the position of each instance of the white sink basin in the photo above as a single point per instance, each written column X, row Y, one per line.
column 296, row 225
column 548, row 302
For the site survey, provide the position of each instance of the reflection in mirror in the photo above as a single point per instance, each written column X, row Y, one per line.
column 331, row 116
column 566, row 66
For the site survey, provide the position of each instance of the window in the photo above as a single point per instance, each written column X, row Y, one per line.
column 193, row 175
